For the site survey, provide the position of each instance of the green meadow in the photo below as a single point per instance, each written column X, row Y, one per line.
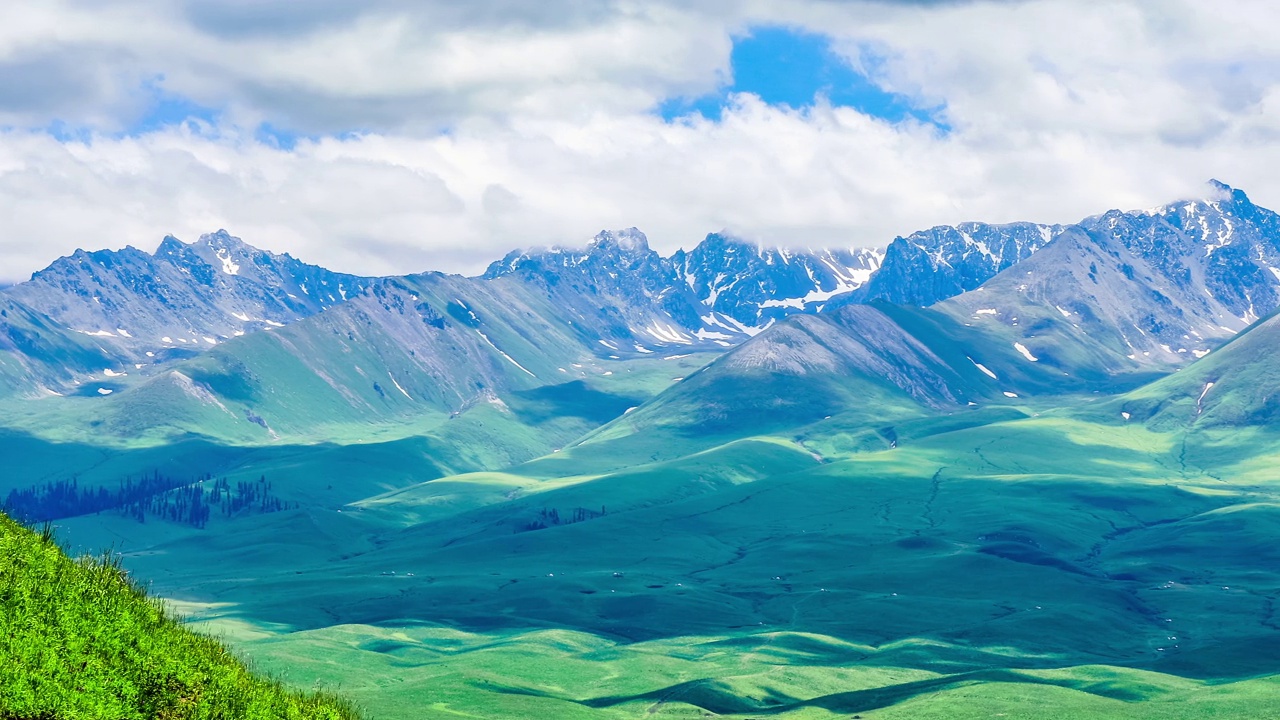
column 1025, row 560
column 856, row 555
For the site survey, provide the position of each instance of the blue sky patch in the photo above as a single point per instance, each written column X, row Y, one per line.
column 786, row 66
column 166, row 109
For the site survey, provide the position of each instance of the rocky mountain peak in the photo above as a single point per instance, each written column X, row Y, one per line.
column 182, row 297
column 630, row 241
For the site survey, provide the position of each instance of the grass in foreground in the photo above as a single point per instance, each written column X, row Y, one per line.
column 79, row 640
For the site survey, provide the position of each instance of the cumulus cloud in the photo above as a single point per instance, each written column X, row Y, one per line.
column 440, row 135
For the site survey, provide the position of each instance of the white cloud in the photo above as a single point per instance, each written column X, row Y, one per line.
column 1059, row 109
column 325, row 67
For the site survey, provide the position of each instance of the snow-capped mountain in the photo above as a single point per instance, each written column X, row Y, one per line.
column 942, row 262
column 754, row 285
column 1156, row 286
column 1153, row 288
column 1102, row 305
column 719, row 293
column 617, row 290
column 182, row 296
column 1225, row 244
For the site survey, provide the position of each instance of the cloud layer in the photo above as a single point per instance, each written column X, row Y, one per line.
column 438, row 137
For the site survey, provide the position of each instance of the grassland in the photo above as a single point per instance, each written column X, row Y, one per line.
column 1048, row 557
column 433, row 672
column 1029, row 560
column 78, row 639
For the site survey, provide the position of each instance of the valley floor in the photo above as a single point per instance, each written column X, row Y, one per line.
column 1021, row 561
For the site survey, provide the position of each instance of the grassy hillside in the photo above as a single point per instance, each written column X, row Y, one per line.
column 78, row 639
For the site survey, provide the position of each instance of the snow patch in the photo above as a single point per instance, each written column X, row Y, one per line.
column 241, row 317
column 104, row 391
column 986, row 311
column 197, row 391
column 466, row 307
column 1200, row 400
column 795, row 303
column 983, row 368
column 228, row 265
column 112, row 373
column 1025, row 352
column 393, row 382
column 1199, row 353
column 667, row 333
column 508, row 357
column 1124, row 415
column 1009, row 394
column 848, row 281
column 728, row 323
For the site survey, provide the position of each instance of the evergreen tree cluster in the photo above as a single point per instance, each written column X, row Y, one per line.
column 551, row 517
column 154, row 495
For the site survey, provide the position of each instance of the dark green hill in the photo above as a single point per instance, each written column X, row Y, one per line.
column 79, row 640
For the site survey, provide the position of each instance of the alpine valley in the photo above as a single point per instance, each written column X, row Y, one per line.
column 1013, row 470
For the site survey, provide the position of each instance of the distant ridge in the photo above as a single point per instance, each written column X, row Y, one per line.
column 182, row 297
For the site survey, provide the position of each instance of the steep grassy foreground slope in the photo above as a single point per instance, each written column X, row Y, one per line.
column 79, row 640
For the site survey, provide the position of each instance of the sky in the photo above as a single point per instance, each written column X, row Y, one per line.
column 395, row 136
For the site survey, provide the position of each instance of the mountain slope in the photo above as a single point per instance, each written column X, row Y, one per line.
column 718, row 294
column 861, row 367
column 754, row 285
column 183, row 297
column 1106, row 305
column 492, row 364
column 616, row 288
column 82, row 640
column 932, row 265
column 37, row 355
column 1152, row 289
column 1235, row 387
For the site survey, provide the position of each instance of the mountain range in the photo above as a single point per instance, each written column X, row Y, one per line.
column 1114, row 294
